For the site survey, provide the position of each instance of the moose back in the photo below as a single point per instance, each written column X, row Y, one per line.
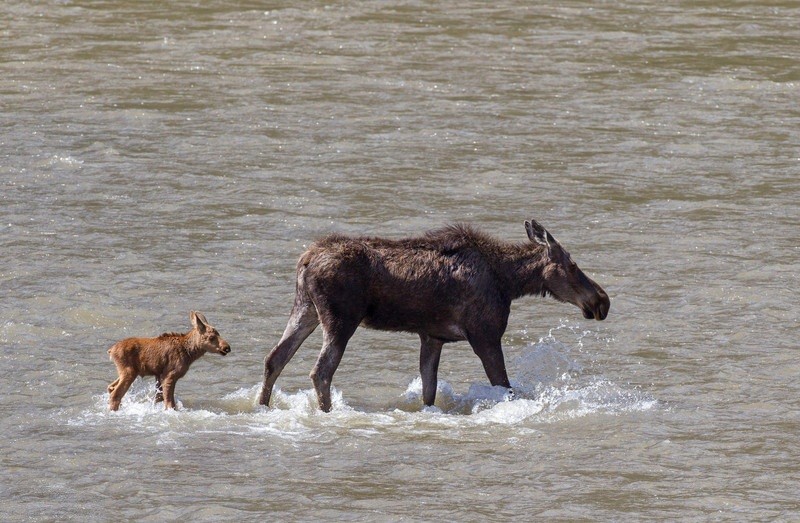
column 452, row 284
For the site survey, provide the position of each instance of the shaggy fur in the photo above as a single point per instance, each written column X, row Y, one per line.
column 449, row 285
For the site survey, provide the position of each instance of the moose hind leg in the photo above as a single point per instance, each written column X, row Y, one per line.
column 430, row 351
column 302, row 322
column 334, row 343
column 123, row 384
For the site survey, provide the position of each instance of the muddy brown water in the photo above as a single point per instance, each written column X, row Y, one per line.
column 156, row 159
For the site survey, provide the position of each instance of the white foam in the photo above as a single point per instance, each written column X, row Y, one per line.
column 548, row 382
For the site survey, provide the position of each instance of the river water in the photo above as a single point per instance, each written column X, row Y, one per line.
column 157, row 158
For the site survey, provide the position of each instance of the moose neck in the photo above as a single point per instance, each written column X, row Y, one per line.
column 523, row 268
column 190, row 343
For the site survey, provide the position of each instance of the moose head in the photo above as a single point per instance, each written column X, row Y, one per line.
column 208, row 337
column 564, row 280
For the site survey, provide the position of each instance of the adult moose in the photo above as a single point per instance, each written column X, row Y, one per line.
column 452, row 284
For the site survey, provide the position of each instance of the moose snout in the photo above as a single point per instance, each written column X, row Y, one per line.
column 224, row 349
column 601, row 310
column 601, row 313
column 598, row 308
column 598, row 313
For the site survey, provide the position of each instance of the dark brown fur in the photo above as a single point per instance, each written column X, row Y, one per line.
column 166, row 357
column 449, row 285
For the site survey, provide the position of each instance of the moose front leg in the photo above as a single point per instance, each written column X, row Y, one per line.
column 429, row 353
column 168, row 382
column 490, row 352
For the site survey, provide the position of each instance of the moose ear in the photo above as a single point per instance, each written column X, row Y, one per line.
column 199, row 321
column 538, row 234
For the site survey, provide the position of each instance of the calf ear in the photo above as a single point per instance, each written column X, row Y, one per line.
column 199, row 321
column 538, row 234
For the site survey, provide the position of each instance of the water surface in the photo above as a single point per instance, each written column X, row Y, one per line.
column 157, row 159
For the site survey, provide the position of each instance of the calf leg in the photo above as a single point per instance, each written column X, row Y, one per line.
column 333, row 345
column 302, row 322
column 159, row 391
column 430, row 351
column 123, row 383
column 113, row 385
column 168, row 382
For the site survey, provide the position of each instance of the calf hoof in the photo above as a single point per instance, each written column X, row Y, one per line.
column 159, row 397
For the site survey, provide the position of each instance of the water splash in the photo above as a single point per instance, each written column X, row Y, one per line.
column 548, row 379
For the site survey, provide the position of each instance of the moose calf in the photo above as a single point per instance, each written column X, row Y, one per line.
column 166, row 357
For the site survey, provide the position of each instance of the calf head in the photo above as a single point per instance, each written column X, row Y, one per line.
column 563, row 279
column 208, row 337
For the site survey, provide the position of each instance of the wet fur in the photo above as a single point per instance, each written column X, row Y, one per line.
column 448, row 285
column 167, row 357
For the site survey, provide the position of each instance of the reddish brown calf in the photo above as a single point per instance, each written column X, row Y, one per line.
column 166, row 357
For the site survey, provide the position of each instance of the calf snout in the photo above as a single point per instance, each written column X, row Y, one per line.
column 224, row 349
